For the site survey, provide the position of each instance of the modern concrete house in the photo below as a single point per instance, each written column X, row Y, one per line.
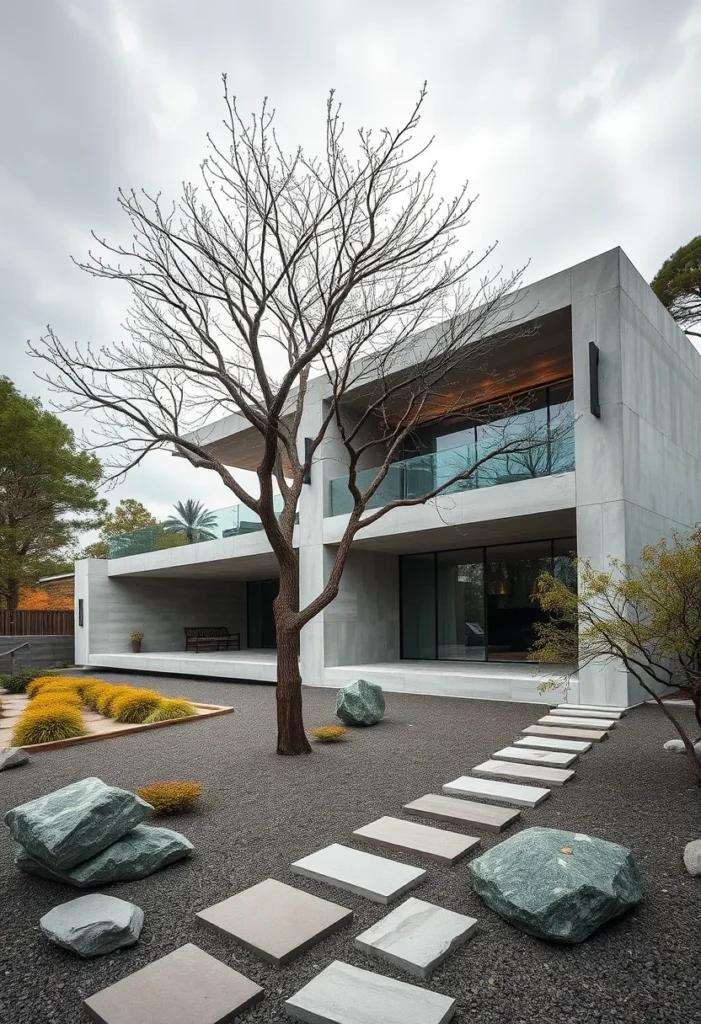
column 437, row 598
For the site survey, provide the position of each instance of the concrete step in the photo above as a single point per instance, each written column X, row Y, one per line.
column 615, row 716
column 417, row 936
column 552, row 758
column 525, row 772
column 565, row 734
column 377, row 878
column 434, row 843
column 552, row 743
column 577, row 723
column 445, row 808
column 500, row 792
column 595, row 707
column 343, row 994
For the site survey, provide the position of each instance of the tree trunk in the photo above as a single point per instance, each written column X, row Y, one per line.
column 12, row 595
column 291, row 737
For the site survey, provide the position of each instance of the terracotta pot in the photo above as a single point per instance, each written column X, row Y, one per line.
column 136, row 647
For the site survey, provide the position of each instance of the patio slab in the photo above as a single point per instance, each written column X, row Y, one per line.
column 578, row 723
column 417, row 936
column 616, row 716
column 594, row 707
column 561, row 732
column 434, row 843
column 501, row 792
column 377, row 878
column 552, row 758
column 274, row 920
column 466, row 812
column 524, row 772
column 553, row 743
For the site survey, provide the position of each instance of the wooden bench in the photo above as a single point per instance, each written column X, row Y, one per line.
column 211, row 638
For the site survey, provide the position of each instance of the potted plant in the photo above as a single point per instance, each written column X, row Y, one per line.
column 136, row 639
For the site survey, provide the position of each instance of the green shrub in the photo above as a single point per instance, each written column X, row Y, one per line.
column 17, row 682
column 135, row 705
column 170, row 709
column 171, row 797
column 47, row 723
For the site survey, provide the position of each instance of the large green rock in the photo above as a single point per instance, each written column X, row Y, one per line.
column 75, row 823
column 557, row 885
column 360, row 703
column 139, row 853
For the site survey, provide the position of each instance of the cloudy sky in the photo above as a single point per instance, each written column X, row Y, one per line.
column 576, row 121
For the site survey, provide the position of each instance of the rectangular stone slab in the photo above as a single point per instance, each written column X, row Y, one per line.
column 188, row 986
column 552, row 743
column 435, row 843
column 551, row 758
column 577, row 723
column 524, row 772
column 501, row 792
column 343, row 994
column 417, row 936
column 377, row 878
column 594, row 707
column 274, row 920
column 467, row 812
column 566, row 734
column 581, row 713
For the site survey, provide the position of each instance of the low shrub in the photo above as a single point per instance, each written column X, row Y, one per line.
column 134, row 705
column 170, row 709
column 49, row 698
column 108, row 696
column 93, row 692
column 47, row 723
column 57, row 688
column 171, row 797
column 328, row 733
column 17, row 682
column 39, row 682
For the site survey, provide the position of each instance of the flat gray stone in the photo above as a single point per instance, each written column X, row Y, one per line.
column 274, row 920
column 435, row 843
column 342, row 994
column 675, row 747
column 12, row 757
column 417, row 936
column 571, row 721
column 74, row 823
column 188, row 986
column 93, row 925
column 557, row 885
column 692, row 858
column 360, row 703
column 560, row 732
column 466, row 812
column 500, row 792
column 377, row 878
column 582, row 713
column 139, row 853
column 551, row 758
column 553, row 743
column 594, row 707
column 524, row 772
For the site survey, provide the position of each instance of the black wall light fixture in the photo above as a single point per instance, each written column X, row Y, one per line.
column 594, row 405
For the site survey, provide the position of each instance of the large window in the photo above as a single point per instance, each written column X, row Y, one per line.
column 478, row 604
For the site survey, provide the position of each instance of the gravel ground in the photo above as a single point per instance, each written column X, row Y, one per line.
column 261, row 812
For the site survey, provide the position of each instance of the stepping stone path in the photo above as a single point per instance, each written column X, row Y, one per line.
column 377, row 878
column 502, row 792
column 446, row 808
column 552, row 758
column 578, row 723
column 417, row 936
column 526, row 772
column 581, row 713
column 434, row 843
column 342, row 994
column 188, row 986
column 593, row 707
column 567, row 734
column 549, row 742
column 274, row 920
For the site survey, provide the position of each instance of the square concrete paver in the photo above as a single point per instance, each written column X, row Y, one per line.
column 525, row 772
column 500, row 792
column 377, row 878
column 188, row 986
column 274, row 920
column 561, row 732
column 552, row 743
column 552, row 758
column 466, row 812
column 417, row 936
column 343, row 994
column 435, row 843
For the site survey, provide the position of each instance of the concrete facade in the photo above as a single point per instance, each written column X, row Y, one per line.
column 637, row 478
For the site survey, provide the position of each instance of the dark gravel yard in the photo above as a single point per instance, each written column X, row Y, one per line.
column 261, row 812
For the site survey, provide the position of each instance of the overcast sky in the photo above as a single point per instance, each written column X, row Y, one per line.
column 576, row 121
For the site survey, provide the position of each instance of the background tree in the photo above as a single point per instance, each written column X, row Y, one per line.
column 281, row 269
column 678, row 285
column 127, row 516
column 48, row 491
column 644, row 616
column 193, row 520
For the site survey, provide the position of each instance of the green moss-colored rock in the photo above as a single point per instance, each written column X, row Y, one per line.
column 76, row 822
column 557, row 885
column 136, row 855
column 360, row 703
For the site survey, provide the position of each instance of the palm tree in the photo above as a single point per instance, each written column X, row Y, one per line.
column 192, row 519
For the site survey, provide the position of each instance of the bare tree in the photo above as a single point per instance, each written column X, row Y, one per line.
column 279, row 269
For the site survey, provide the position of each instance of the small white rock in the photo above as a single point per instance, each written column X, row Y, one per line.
column 93, row 925
column 675, row 746
column 692, row 857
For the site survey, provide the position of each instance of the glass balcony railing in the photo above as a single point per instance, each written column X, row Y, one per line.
column 233, row 521
column 416, row 477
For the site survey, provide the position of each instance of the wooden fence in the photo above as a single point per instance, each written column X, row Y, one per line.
column 37, row 623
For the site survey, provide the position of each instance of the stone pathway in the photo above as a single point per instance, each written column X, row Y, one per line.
column 571, row 733
column 584, row 723
column 434, row 843
column 553, row 758
column 525, row 772
column 377, row 878
column 500, row 792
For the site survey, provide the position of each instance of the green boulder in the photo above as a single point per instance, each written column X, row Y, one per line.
column 557, row 885
column 360, row 703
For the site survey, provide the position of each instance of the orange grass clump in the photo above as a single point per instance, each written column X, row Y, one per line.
column 134, row 705
column 171, row 797
column 328, row 733
column 47, row 723
column 169, row 709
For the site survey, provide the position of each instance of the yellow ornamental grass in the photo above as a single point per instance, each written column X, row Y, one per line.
column 48, row 723
column 135, row 705
column 171, row 797
column 328, row 733
column 53, row 697
column 109, row 695
column 170, row 709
